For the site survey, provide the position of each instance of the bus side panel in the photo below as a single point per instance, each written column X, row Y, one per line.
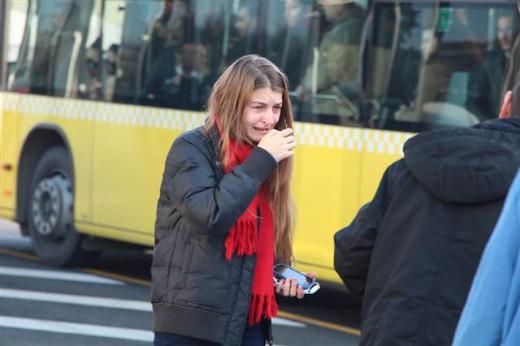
column 9, row 153
column 326, row 189
column 130, row 148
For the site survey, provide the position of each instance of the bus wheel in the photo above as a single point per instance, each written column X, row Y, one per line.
column 50, row 211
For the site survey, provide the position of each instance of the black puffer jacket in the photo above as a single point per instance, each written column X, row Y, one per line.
column 196, row 292
column 412, row 252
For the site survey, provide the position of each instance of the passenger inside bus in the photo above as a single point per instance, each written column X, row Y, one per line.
column 335, row 70
column 513, row 69
column 168, row 30
column 292, row 38
column 185, row 84
column 192, row 82
column 110, row 71
column 449, row 52
column 243, row 36
column 90, row 88
column 485, row 84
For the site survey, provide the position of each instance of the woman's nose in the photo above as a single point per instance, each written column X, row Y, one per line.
column 269, row 117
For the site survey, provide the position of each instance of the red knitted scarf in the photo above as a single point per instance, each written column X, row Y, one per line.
column 246, row 239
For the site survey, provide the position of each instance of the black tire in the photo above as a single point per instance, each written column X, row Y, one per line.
column 50, row 211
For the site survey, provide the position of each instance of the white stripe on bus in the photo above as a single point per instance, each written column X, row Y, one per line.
column 57, row 275
column 76, row 328
column 317, row 135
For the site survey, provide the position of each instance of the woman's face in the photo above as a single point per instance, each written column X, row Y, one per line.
column 262, row 113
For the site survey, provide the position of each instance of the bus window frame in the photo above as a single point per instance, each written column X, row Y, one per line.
column 4, row 34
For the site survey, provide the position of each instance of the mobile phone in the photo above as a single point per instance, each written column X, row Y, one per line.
column 282, row 271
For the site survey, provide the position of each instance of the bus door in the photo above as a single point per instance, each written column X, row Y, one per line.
column 130, row 141
column 160, row 59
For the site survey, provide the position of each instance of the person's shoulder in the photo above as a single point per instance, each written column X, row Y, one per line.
column 190, row 146
column 192, row 140
column 194, row 136
column 398, row 172
column 347, row 31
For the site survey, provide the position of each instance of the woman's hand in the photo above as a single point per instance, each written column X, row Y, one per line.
column 290, row 288
column 280, row 144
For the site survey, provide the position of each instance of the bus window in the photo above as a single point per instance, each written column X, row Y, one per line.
column 448, row 63
column 89, row 58
column 113, row 17
column 211, row 31
column 185, row 58
column 162, row 58
column 246, row 29
column 330, row 89
column 14, row 41
column 289, row 33
column 136, row 44
column 484, row 94
column 52, row 44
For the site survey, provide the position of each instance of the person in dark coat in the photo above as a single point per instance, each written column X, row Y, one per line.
column 513, row 69
column 413, row 250
column 491, row 315
column 225, row 213
column 485, row 84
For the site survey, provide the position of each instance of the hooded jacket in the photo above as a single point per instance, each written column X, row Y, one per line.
column 414, row 249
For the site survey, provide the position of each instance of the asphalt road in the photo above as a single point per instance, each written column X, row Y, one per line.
column 107, row 303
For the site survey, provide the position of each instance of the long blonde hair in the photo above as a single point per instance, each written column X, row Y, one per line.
column 227, row 102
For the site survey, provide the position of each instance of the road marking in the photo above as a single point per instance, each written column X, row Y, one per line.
column 57, row 275
column 76, row 299
column 102, row 302
column 146, row 283
column 76, row 328
column 319, row 323
column 287, row 323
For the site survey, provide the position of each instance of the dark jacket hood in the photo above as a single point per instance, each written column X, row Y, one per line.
column 466, row 165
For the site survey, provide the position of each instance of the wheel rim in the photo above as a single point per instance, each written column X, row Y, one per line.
column 51, row 206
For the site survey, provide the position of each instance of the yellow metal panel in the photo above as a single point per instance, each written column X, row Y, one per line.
column 326, row 184
column 128, row 166
column 8, row 156
column 122, row 235
column 7, row 213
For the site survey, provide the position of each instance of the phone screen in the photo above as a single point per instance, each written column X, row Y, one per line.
column 285, row 272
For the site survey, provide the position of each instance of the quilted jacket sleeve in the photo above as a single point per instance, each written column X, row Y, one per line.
column 206, row 202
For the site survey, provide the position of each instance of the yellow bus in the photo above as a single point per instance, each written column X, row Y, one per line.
column 93, row 92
